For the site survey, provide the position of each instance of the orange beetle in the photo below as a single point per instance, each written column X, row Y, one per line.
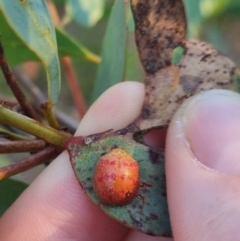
column 116, row 178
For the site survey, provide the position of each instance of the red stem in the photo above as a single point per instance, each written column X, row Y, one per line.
column 74, row 86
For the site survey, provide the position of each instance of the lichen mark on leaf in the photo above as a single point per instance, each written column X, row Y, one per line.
column 202, row 68
column 160, row 27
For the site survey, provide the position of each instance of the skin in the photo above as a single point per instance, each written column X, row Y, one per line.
column 202, row 170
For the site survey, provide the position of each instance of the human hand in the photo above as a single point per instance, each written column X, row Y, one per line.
column 203, row 202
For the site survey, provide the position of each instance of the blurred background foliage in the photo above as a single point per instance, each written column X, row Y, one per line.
column 86, row 38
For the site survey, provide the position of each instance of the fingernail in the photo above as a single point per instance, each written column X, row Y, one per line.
column 211, row 122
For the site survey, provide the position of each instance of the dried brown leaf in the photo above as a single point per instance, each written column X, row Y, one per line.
column 202, row 68
column 160, row 27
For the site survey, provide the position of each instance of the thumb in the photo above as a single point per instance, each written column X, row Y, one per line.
column 203, row 168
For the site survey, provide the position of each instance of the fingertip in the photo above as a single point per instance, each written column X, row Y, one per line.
column 114, row 109
column 201, row 197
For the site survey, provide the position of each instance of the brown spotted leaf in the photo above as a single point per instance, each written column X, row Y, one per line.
column 202, row 68
column 160, row 27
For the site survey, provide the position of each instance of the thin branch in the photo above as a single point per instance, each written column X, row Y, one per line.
column 47, row 109
column 32, row 127
column 11, row 81
column 38, row 98
column 22, row 146
column 74, row 86
column 28, row 163
column 12, row 136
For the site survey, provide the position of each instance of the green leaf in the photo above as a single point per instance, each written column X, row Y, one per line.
column 85, row 12
column 194, row 17
column 15, row 49
column 211, row 8
column 69, row 47
column 111, row 69
column 220, row 8
column 147, row 211
column 31, row 21
column 9, row 192
column 66, row 46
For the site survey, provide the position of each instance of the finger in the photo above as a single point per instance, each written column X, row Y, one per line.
column 54, row 207
column 203, row 168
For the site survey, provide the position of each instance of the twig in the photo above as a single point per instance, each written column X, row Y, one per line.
column 11, row 136
column 32, row 127
column 22, row 146
column 28, row 163
column 47, row 109
column 38, row 98
column 11, row 81
column 74, row 86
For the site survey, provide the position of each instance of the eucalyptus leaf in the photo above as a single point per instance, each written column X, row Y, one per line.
column 147, row 212
column 13, row 44
column 112, row 68
column 67, row 46
column 216, row 9
column 9, row 192
column 15, row 49
column 31, row 21
column 85, row 12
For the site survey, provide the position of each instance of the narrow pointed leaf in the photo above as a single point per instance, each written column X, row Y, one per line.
column 31, row 21
column 13, row 44
column 67, row 46
column 112, row 67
